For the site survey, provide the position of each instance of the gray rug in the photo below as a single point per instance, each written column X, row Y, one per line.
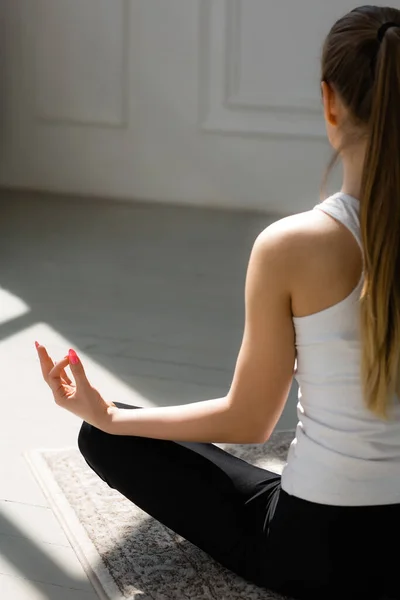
column 126, row 553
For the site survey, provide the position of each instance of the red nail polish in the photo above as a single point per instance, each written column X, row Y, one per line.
column 73, row 357
column 37, row 344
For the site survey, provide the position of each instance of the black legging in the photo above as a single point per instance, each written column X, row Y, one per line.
column 240, row 516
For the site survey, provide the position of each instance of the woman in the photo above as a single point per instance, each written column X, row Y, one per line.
column 322, row 287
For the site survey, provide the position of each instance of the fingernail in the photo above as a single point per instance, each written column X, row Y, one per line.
column 73, row 357
column 37, row 344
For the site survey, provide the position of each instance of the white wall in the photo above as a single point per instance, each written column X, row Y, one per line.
column 212, row 102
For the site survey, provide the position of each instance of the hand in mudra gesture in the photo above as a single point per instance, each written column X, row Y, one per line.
column 76, row 395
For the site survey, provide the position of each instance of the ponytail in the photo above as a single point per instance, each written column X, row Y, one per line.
column 380, row 229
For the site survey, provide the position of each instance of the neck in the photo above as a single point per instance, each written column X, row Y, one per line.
column 353, row 163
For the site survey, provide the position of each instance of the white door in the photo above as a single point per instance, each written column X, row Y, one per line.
column 213, row 102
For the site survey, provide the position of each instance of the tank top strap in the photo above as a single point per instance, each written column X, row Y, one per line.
column 346, row 210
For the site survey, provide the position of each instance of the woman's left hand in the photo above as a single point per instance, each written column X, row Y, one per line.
column 79, row 396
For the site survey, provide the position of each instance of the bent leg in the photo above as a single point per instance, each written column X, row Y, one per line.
column 198, row 490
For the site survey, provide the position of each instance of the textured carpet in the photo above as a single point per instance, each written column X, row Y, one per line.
column 126, row 553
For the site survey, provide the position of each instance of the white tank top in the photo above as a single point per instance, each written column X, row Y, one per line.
column 342, row 454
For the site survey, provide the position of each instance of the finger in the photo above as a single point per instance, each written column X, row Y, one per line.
column 46, row 363
column 56, row 383
column 63, row 374
column 77, row 369
column 55, row 380
column 65, row 377
column 58, row 368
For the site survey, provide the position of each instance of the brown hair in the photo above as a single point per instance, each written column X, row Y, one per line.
column 361, row 62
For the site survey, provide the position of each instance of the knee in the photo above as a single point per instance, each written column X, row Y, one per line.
column 84, row 439
column 89, row 442
column 94, row 447
column 94, row 443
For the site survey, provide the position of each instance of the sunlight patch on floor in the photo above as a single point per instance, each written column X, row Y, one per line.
column 11, row 307
column 21, row 344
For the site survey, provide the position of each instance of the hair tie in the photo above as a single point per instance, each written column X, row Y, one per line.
column 383, row 29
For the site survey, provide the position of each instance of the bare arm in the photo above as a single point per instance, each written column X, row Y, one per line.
column 209, row 421
column 264, row 369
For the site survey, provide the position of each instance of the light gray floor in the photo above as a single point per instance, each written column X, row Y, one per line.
column 152, row 298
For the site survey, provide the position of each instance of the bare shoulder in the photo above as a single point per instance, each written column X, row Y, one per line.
column 318, row 256
column 310, row 225
column 295, row 236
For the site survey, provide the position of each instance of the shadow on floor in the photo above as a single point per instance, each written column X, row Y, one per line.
column 151, row 559
column 153, row 293
column 32, row 563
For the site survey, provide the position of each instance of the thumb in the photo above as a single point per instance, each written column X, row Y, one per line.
column 77, row 368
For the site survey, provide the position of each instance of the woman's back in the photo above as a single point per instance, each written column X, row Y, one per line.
column 343, row 453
